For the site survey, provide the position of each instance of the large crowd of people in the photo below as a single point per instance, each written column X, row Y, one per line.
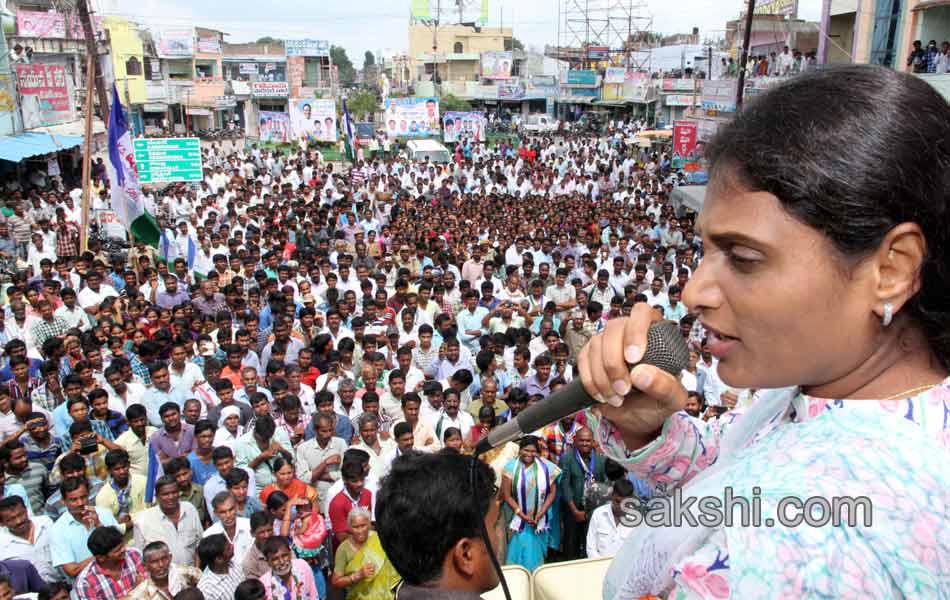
column 213, row 419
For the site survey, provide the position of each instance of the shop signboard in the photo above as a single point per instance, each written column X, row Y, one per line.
column 307, row 47
column 719, row 95
column 270, row 89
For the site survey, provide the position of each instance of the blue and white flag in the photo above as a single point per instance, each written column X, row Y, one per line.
column 192, row 252
column 167, row 248
column 127, row 199
column 348, row 133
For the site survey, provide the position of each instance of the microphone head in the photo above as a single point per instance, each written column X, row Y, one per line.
column 666, row 349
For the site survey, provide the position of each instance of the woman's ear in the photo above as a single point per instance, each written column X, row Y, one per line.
column 897, row 265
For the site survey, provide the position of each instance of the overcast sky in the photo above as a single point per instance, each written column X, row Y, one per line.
column 380, row 25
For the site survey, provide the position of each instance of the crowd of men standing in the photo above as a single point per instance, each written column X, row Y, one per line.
column 219, row 427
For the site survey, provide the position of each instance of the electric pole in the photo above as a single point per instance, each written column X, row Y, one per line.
column 91, row 50
column 746, row 40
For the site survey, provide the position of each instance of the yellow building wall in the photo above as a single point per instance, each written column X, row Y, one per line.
column 420, row 41
column 126, row 43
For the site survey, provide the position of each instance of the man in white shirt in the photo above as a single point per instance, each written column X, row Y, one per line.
column 71, row 313
column 94, row 293
column 26, row 538
column 236, row 529
column 607, row 531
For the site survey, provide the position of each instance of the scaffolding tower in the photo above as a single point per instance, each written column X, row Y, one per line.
column 593, row 31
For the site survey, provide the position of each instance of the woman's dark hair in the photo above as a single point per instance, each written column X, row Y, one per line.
column 486, row 412
column 844, row 154
column 426, row 505
column 530, row 440
column 280, row 462
column 276, row 500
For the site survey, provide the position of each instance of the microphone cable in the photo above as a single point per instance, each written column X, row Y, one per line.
column 484, row 531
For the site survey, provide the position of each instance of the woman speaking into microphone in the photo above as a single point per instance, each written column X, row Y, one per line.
column 826, row 283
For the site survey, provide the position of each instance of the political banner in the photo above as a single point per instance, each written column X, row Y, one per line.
column 496, row 65
column 685, row 135
column 314, row 120
column 307, row 47
column 412, row 117
column 51, row 25
column 44, row 95
column 274, row 127
column 457, row 126
column 176, row 43
column 511, row 90
column 638, row 86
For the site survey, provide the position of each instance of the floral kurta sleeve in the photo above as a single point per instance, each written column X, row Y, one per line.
column 685, row 447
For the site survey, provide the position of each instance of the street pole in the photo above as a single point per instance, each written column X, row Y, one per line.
column 823, row 32
column 746, row 40
column 86, row 158
column 96, row 73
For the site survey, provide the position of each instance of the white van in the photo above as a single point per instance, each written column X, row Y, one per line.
column 428, row 150
column 540, row 123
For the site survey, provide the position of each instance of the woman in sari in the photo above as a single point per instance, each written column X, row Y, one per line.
column 361, row 566
column 825, row 285
column 529, row 486
column 285, row 480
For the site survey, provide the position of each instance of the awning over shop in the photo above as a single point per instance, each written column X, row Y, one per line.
column 688, row 196
column 72, row 128
column 17, row 148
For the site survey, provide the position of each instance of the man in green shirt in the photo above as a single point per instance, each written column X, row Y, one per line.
column 581, row 466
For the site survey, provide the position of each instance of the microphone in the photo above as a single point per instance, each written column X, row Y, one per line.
column 666, row 349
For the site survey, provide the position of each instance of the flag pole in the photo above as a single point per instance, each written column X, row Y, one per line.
column 87, row 154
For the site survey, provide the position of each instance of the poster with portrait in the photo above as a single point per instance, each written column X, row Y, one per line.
column 313, row 120
column 496, row 65
column 411, row 117
column 274, row 126
column 457, row 126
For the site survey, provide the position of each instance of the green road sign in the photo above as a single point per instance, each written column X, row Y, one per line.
column 168, row 159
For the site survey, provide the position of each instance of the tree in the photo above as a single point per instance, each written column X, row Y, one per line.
column 516, row 44
column 362, row 105
column 454, row 104
column 344, row 66
column 368, row 60
column 267, row 40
